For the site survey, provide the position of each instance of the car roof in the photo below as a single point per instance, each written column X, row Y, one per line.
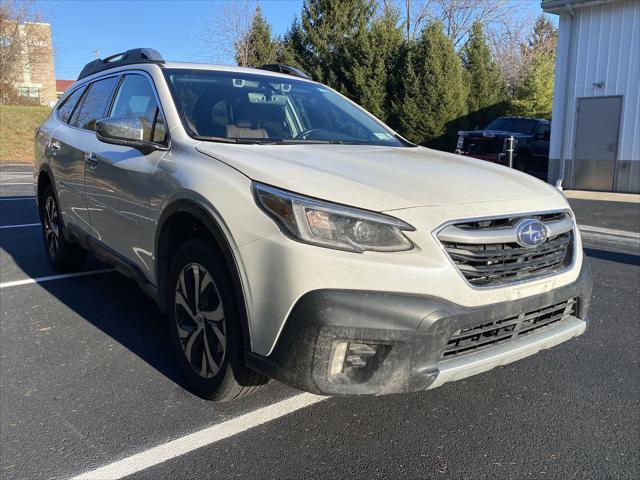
column 230, row 68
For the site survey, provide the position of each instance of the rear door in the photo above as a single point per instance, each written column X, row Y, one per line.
column 67, row 165
column 117, row 177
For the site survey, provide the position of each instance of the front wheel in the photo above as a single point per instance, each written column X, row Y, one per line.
column 204, row 326
column 62, row 254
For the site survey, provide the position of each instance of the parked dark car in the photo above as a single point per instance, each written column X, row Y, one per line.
column 531, row 143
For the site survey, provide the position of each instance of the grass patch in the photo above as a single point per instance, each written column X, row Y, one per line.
column 17, row 126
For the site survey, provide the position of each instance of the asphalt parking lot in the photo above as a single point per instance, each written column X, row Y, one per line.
column 87, row 388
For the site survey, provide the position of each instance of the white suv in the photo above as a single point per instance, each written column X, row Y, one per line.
column 287, row 233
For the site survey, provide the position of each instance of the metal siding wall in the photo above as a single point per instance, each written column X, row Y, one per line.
column 606, row 48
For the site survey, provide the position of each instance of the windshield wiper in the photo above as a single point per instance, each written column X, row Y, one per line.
column 227, row 140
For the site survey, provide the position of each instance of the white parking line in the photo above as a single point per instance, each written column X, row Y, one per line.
column 180, row 446
column 27, row 281
column 13, row 184
column 21, row 226
column 608, row 231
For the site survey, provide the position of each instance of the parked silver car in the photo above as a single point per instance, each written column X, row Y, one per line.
column 287, row 233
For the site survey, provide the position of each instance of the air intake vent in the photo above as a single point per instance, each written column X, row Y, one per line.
column 485, row 335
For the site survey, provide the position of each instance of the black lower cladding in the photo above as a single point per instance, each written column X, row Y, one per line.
column 393, row 341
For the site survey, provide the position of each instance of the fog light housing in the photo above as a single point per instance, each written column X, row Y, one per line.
column 355, row 362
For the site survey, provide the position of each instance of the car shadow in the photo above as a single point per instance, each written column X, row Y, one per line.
column 109, row 301
column 612, row 256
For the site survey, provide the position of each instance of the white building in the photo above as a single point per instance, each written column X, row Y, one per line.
column 595, row 130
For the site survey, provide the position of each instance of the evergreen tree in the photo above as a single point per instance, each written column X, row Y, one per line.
column 486, row 85
column 533, row 96
column 371, row 71
column 261, row 47
column 433, row 93
column 330, row 41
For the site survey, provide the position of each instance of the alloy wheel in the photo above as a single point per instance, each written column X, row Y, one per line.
column 51, row 227
column 199, row 316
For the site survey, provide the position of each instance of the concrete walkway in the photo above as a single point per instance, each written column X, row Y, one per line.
column 605, row 196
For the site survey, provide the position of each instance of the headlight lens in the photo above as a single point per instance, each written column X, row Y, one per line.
column 330, row 225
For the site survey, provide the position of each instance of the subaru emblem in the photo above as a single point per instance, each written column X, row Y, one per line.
column 530, row 232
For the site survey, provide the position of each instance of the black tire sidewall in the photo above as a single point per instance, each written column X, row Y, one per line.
column 69, row 256
column 196, row 251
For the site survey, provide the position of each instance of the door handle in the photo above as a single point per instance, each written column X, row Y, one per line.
column 55, row 147
column 91, row 159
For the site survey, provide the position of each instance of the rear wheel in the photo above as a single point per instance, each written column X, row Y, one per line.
column 204, row 326
column 62, row 254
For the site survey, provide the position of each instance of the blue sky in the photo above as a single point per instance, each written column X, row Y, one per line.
column 171, row 27
column 80, row 27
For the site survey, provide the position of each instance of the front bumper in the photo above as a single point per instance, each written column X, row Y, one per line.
column 408, row 334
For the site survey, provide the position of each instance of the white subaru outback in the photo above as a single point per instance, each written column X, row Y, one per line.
column 287, row 233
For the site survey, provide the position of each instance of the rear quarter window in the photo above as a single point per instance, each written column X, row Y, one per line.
column 66, row 109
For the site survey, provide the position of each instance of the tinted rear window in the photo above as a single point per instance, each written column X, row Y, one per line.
column 64, row 110
column 94, row 104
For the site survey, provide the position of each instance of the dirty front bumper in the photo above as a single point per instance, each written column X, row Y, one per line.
column 371, row 343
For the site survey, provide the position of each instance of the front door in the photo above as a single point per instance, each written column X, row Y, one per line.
column 117, row 178
column 596, row 143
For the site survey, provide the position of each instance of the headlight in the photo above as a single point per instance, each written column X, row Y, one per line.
column 330, row 225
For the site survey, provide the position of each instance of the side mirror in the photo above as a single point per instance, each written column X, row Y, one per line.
column 127, row 131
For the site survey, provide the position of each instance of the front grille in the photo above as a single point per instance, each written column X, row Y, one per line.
column 482, row 145
column 487, row 254
column 486, row 335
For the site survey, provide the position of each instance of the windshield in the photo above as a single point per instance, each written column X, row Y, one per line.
column 248, row 108
column 520, row 125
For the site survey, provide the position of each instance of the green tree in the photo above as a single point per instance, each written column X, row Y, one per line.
column 433, row 93
column 260, row 46
column 534, row 95
column 372, row 65
column 486, row 84
column 330, row 40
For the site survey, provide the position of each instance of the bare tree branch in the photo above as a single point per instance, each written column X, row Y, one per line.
column 225, row 32
column 23, row 45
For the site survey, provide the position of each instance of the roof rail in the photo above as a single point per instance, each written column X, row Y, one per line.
column 282, row 68
column 136, row 55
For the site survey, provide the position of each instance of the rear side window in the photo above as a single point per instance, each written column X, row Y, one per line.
column 135, row 98
column 94, row 104
column 65, row 110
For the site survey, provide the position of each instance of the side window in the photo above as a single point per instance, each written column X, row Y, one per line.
column 135, row 98
column 545, row 131
column 94, row 104
column 64, row 110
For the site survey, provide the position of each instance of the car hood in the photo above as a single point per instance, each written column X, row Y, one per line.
column 378, row 178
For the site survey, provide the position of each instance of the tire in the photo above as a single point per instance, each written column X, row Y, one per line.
column 62, row 254
column 205, row 332
column 521, row 161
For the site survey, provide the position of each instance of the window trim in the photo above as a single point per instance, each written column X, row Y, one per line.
column 120, row 73
column 65, row 99
column 89, row 85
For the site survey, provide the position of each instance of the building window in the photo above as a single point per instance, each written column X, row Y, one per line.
column 5, row 42
column 29, row 92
